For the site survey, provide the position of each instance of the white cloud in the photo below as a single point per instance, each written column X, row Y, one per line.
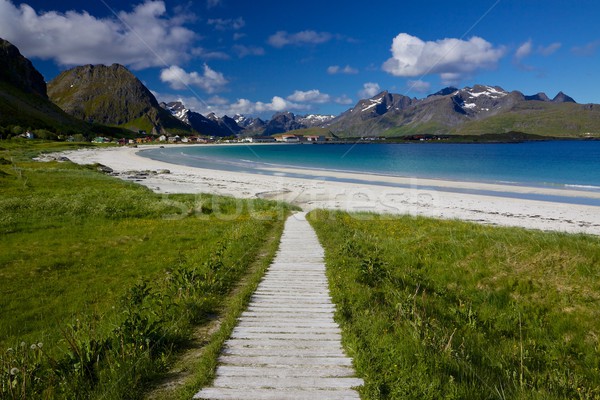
column 227, row 24
column 369, row 89
column 458, row 58
column 210, row 80
column 310, row 96
column 524, row 50
column 550, row 49
column 142, row 38
column 247, row 107
column 244, row 51
column 418, row 86
column 527, row 48
column 221, row 106
column 283, row 38
column 336, row 69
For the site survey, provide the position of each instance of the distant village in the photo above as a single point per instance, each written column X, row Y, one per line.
column 280, row 138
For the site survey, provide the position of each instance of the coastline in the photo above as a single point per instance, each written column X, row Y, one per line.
column 488, row 203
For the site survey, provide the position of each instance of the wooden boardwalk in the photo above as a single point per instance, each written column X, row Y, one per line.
column 286, row 344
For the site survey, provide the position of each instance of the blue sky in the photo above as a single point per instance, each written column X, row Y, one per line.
column 258, row 57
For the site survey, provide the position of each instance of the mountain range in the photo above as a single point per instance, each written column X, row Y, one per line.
column 471, row 110
column 476, row 110
column 91, row 97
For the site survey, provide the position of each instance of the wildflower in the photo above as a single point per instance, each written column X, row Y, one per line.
column 23, row 344
column 33, row 346
column 14, row 371
column 40, row 344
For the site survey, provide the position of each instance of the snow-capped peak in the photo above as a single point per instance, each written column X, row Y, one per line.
column 489, row 91
column 373, row 103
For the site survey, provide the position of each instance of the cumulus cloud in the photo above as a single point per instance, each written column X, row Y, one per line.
column 283, row 38
column 418, row 86
column 144, row 37
column 449, row 58
column 221, row 106
column 369, row 89
column 227, row 24
column 245, row 51
column 209, row 80
column 310, row 96
column 247, row 107
column 336, row 69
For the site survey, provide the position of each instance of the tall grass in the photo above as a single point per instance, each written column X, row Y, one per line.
column 102, row 281
column 450, row 310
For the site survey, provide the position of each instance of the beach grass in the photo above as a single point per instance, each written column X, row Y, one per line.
column 103, row 281
column 436, row 309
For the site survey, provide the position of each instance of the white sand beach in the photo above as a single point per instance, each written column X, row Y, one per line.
column 479, row 202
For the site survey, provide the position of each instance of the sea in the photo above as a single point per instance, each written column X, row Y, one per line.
column 568, row 164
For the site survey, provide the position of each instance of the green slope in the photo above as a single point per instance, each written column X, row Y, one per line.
column 33, row 111
column 540, row 118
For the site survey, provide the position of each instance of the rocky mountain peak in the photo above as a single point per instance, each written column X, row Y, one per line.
column 541, row 96
column 563, row 98
column 445, row 91
column 19, row 72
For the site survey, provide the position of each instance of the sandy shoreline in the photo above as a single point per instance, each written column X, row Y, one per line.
column 363, row 192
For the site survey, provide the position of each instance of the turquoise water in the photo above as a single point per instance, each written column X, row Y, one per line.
column 551, row 163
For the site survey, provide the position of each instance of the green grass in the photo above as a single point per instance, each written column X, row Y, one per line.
column 434, row 309
column 109, row 276
column 540, row 118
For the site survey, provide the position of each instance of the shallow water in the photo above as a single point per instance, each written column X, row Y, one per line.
column 567, row 164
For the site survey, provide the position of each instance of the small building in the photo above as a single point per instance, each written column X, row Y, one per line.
column 287, row 138
column 174, row 139
column 162, row 138
column 259, row 139
column 314, row 138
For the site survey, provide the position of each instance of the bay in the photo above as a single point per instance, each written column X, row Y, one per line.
column 547, row 164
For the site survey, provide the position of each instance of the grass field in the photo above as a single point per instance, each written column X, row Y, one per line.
column 435, row 309
column 103, row 280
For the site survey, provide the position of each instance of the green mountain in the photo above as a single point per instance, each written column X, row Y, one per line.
column 23, row 98
column 112, row 95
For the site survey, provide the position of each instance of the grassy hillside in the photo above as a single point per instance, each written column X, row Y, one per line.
column 103, row 280
column 111, row 95
column 435, row 309
column 540, row 118
column 32, row 111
